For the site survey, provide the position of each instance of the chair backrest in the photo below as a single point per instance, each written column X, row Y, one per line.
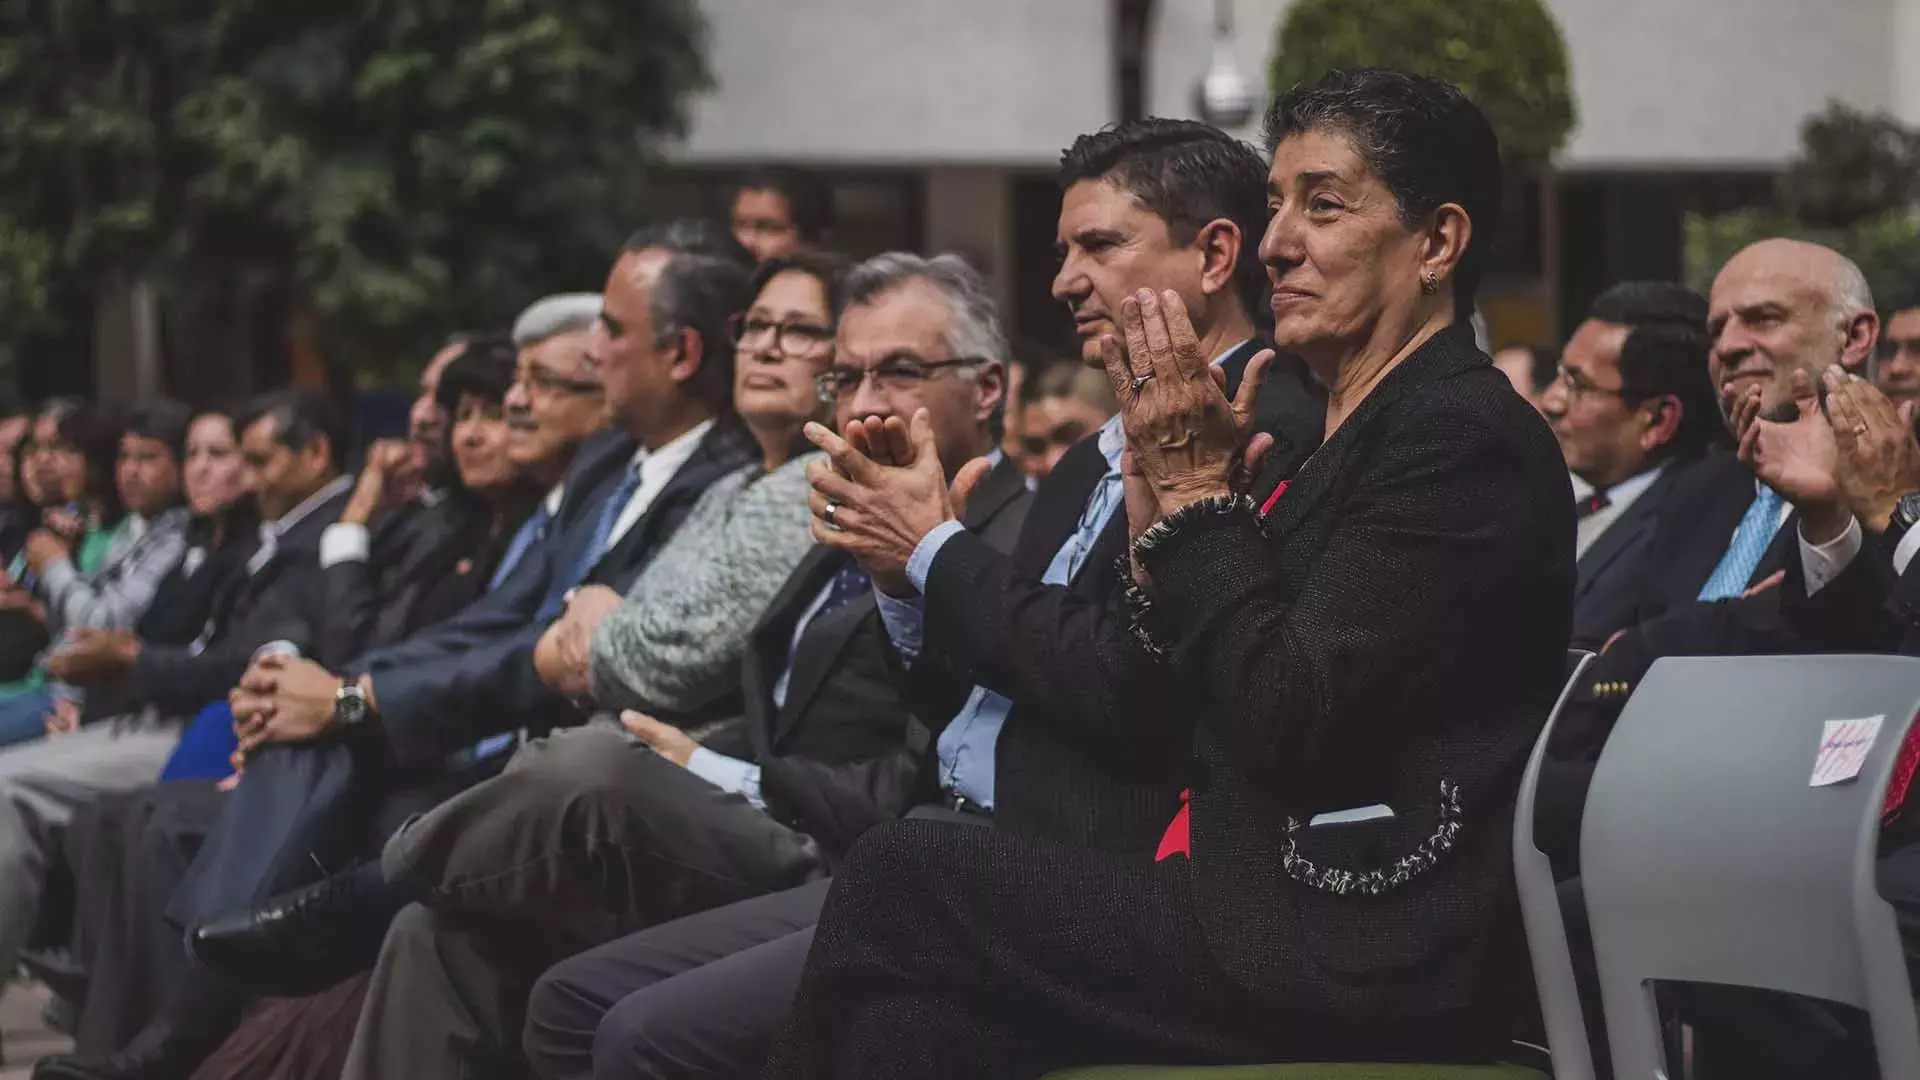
column 1707, row 857
column 1540, row 910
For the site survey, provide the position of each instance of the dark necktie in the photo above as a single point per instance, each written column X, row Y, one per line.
column 849, row 584
column 589, row 554
column 531, row 531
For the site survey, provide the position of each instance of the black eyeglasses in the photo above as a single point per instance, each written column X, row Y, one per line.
column 1578, row 385
column 889, row 376
column 789, row 339
column 542, row 381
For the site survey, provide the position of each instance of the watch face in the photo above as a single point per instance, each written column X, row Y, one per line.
column 350, row 707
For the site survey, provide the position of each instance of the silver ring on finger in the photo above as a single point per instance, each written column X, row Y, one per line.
column 827, row 515
column 1142, row 380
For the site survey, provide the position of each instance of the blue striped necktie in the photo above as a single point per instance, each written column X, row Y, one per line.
column 589, row 554
column 1749, row 545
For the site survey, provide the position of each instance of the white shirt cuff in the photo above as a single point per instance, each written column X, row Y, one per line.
column 1821, row 563
column 1905, row 550
column 728, row 774
column 920, row 563
column 344, row 542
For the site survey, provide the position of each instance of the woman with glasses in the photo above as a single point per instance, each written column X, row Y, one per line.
column 672, row 648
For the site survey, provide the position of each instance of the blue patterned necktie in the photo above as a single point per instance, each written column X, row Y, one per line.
column 589, row 554
column 849, row 584
column 1750, row 541
column 531, row 531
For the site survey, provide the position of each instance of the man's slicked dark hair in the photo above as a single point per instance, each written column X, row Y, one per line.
column 1666, row 353
column 300, row 414
column 702, row 285
column 1425, row 141
column 1187, row 173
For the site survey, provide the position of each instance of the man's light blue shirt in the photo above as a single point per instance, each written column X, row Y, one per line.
column 967, row 745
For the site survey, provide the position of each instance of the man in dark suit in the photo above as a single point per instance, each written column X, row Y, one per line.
column 610, row 832
column 991, row 641
column 334, row 762
column 1780, row 309
column 1633, row 411
column 290, row 442
column 986, row 637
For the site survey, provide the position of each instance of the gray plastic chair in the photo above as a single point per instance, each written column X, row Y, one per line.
column 1706, row 857
column 1540, row 910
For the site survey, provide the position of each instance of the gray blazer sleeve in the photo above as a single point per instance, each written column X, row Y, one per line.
column 115, row 596
column 676, row 642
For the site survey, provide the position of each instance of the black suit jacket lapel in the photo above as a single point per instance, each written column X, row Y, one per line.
column 1002, row 484
column 1057, row 506
column 718, row 454
column 819, row 651
column 1446, row 353
column 825, row 640
column 772, row 636
column 1638, row 520
column 1785, row 545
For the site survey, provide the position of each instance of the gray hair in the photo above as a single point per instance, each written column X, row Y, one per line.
column 1851, row 294
column 551, row 316
column 976, row 329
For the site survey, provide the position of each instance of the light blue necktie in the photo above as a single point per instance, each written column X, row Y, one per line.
column 1072, row 555
column 588, row 555
column 531, row 531
column 1750, row 541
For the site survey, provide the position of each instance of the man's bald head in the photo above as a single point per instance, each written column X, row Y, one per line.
column 1781, row 306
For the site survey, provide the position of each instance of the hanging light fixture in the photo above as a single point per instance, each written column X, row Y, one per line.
column 1224, row 98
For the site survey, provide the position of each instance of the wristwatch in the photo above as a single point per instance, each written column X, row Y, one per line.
column 1906, row 512
column 349, row 704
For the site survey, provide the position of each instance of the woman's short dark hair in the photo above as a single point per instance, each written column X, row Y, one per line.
column 1665, row 352
column 485, row 369
column 828, row 269
column 1425, row 141
column 93, row 430
column 809, row 201
column 164, row 421
column 1186, row 173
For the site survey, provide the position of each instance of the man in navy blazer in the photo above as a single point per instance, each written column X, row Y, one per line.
column 1633, row 410
column 335, row 760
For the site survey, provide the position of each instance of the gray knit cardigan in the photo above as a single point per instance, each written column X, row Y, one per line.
column 675, row 643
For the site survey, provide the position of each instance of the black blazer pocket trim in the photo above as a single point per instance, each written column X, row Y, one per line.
column 1359, row 840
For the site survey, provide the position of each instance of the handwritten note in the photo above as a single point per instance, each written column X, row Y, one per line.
column 1843, row 749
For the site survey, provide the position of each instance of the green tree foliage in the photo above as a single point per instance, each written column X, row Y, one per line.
column 392, row 168
column 1854, row 186
column 1506, row 55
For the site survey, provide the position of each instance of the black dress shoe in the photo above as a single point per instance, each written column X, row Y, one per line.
column 305, row 941
column 157, row 1053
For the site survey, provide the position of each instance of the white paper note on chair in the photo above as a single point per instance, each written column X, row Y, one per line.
column 1843, row 749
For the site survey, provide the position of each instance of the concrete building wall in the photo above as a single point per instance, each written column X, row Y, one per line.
column 1711, row 83
column 902, row 81
column 1660, row 83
